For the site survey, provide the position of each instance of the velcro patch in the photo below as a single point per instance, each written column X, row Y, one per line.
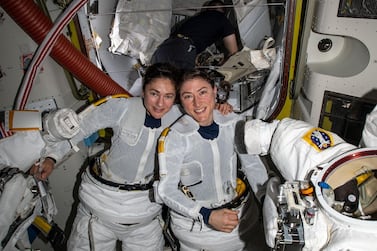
column 319, row 139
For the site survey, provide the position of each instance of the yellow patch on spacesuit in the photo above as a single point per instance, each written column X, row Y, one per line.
column 319, row 138
column 161, row 140
column 241, row 187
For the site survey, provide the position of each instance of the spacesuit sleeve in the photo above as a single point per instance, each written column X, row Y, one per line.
column 29, row 143
column 170, row 162
column 56, row 150
column 108, row 114
column 258, row 135
column 369, row 134
column 297, row 147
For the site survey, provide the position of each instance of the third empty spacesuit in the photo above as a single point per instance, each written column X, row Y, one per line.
column 321, row 172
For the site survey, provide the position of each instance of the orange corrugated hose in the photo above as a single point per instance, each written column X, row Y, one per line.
column 34, row 22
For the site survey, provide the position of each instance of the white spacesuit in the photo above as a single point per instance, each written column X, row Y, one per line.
column 310, row 209
column 369, row 135
column 197, row 172
column 28, row 142
column 20, row 202
column 115, row 198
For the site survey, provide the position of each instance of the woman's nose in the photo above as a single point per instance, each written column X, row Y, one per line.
column 160, row 100
column 195, row 101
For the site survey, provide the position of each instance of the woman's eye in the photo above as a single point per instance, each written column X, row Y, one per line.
column 203, row 92
column 170, row 96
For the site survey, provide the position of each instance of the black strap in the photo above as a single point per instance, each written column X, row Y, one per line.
column 7, row 174
column 236, row 202
column 239, row 137
column 127, row 187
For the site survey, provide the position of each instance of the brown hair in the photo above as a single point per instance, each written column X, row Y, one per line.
column 193, row 74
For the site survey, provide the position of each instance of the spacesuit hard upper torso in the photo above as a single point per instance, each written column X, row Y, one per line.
column 297, row 149
column 206, row 167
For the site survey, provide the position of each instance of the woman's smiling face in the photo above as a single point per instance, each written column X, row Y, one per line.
column 159, row 97
column 198, row 98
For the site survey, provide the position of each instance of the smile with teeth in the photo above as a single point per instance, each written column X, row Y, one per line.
column 201, row 110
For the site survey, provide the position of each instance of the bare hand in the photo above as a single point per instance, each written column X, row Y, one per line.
column 224, row 220
column 41, row 170
column 224, row 108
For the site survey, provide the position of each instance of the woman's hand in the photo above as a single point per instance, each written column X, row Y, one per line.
column 42, row 170
column 224, row 220
column 224, row 108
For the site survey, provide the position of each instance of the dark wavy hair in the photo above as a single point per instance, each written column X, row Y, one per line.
column 161, row 70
